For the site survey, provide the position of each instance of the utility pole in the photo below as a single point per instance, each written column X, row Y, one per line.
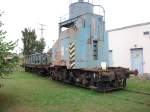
column 42, row 29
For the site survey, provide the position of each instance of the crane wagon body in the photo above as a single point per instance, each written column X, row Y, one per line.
column 80, row 55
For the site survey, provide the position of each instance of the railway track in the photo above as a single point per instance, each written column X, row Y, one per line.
column 125, row 97
column 130, row 99
column 138, row 99
column 138, row 92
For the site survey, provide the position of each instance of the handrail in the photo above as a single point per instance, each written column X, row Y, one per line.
column 74, row 1
column 66, row 16
column 100, row 6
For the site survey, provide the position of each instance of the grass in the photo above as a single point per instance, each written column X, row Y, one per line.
column 26, row 92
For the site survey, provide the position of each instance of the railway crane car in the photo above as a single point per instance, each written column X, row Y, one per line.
column 80, row 55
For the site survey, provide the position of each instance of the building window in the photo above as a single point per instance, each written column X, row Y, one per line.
column 95, row 49
column 146, row 33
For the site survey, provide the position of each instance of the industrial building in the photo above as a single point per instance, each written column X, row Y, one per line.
column 130, row 47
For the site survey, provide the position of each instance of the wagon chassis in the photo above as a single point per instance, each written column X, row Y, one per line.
column 113, row 78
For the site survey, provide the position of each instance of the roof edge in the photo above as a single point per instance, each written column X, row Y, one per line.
column 131, row 26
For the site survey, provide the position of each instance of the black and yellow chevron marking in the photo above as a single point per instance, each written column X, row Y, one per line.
column 72, row 55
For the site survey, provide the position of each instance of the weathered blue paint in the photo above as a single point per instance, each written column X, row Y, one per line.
column 80, row 8
column 86, row 28
column 137, row 59
column 65, row 48
column 84, row 50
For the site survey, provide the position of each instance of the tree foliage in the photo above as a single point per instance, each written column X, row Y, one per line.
column 30, row 42
column 6, row 62
column 40, row 45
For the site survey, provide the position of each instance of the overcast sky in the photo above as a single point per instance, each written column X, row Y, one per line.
column 29, row 13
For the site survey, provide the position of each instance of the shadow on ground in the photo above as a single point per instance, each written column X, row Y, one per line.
column 6, row 101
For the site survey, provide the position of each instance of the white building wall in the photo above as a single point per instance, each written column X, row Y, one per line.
column 122, row 40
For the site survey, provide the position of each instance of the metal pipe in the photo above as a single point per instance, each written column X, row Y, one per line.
column 101, row 8
column 104, row 18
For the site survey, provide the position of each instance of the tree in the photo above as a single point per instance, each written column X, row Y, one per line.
column 30, row 42
column 5, row 50
column 40, row 45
